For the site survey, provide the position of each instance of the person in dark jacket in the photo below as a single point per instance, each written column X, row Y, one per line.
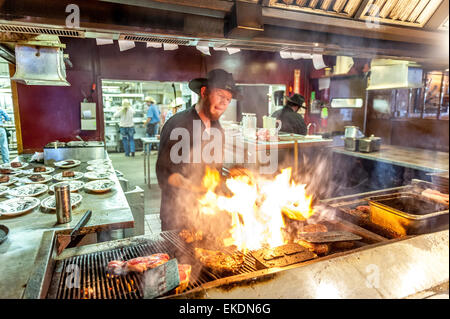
column 291, row 121
column 179, row 177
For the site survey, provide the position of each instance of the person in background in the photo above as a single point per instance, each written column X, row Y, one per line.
column 153, row 118
column 174, row 107
column 3, row 137
column 291, row 120
column 126, row 124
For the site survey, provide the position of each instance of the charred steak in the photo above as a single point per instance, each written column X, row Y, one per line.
column 68, row 174
column 4, row 179
column 36, row 178
column 218, row 262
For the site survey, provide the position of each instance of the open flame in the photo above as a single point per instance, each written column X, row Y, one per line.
column 256, row 207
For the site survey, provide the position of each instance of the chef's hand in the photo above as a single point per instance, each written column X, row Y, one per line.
column 179, row 181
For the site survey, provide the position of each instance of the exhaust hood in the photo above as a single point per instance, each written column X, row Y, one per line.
column 394, row 74
column 40, row 65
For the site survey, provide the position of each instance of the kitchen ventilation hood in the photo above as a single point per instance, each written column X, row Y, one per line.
column 388, row 74
column 40, row 65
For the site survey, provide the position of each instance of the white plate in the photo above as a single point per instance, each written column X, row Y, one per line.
column 100, row 185
column 99, row 162
column 58, row 177
column 12, row 180
column 18, row 205
column 3, row 190
column 26, row 180
column 99, row 167
column 98, row 175
column 8, row 165
column 29, row 190
column 62, row 164
column 50, row 202
column 74, row 185
column 31, row 171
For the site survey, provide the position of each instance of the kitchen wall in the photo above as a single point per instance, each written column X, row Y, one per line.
column 53, row 113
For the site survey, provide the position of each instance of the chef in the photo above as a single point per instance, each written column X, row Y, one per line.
column 291, row 120
column 187, row 139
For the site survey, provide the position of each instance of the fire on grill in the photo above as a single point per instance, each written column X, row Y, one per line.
column 256, row 224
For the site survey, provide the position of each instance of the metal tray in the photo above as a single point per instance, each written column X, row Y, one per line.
column 408, row 213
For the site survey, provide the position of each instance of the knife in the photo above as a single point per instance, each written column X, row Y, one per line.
column 64, row 240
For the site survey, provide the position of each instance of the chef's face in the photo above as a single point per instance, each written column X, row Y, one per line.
column 216, row 102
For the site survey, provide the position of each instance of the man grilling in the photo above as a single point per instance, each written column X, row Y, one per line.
column 291, row 121
column 182, row 163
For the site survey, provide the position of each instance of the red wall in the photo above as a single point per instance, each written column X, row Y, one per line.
column 53, row 113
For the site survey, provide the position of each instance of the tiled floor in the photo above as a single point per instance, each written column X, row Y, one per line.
column 133, row 170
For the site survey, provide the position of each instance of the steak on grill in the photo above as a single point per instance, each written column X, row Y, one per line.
column 138, row 264
column 189, row 236
column 219, row 262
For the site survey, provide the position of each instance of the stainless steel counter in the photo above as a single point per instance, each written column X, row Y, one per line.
column 17, row 254
column 420, row 159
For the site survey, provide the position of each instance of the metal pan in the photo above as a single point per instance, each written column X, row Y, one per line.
column 4, row 231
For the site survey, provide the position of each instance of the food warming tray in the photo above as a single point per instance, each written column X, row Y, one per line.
column 407, row 213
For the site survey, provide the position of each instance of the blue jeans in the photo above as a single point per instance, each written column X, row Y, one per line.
column 155, row 132
column 128, row 139
column 4, row 145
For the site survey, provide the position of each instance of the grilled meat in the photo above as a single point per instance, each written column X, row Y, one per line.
column 16, row 164
column 218, row 262
column 189, row 236
column 5, row 171
column 436, row 196
column 4, row 179
column 36, row 178
column 68, row 174
column 184, row 271
column 138, row 264
column 343, row 244
column 39, row 169
column 320, row 249
column 315, row 228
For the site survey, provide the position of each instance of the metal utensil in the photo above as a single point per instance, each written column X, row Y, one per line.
column 329, row 237
column 62, row 204
column 64, row 240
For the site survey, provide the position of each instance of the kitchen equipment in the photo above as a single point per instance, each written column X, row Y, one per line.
column 351, row 144
column 394, row 74
column 369, row 144
column 407, row 213
column 249, row 125
column 80, row 150
column 168, row 279
column 281, row 256
column 63, row 205
column 353, row 132
column 4, row 231
column 328, row 237
column 62, row 241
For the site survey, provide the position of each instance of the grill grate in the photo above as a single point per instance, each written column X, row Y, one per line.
column 36, row 30
column 156, row 39
column 95, row 283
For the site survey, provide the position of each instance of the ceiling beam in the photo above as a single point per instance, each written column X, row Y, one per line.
column 438, row 17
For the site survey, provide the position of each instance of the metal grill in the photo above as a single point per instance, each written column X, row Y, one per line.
column 95, row 283
column 35, row 30
column 155, row 39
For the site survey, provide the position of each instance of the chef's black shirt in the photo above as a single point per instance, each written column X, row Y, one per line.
column 177, row 204
column 291, row 122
